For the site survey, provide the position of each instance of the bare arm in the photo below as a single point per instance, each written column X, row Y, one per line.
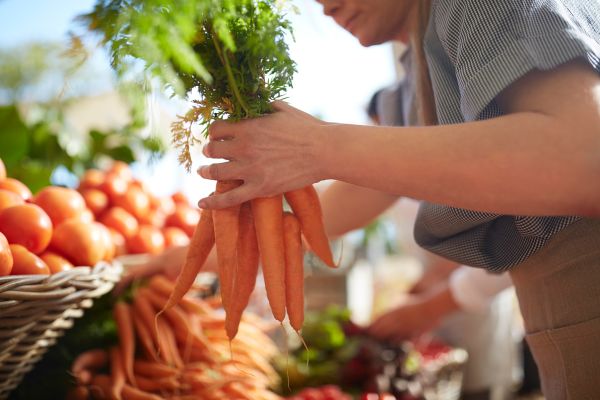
column 541, row 158
column 347, row 207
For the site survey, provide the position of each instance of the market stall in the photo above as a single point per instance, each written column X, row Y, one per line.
column 112, row 288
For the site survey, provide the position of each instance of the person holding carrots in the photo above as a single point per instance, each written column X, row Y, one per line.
column 506, row 162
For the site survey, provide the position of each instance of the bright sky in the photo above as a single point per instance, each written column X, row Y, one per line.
column 336, row 75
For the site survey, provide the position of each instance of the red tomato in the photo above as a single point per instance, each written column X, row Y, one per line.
column 118, row 242
column 121, row 221
column 135, row 201
column 175, row 237
column 27, row 225
column 27, row 263
column 2, row 170
column 17, row 187
column 114, row 186
column 369, row 396
column 331, row 391
column 121, row 169
column 96, row 200
column 154, row 218
column 166, row 205
column 6, row 258
column 81, row 242
column 60, row 203
column 55, row 262
column 91, row 179
column 148, row 239
column 312, row 394
column 179, row 198
column 9, row 199
column 109, row 245
column 184, row 217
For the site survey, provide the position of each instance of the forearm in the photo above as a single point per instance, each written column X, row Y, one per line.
column 519, row 164
column 347, row 207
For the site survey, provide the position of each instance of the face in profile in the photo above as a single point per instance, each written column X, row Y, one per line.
column 372, row 21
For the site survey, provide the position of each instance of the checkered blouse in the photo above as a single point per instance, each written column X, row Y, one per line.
column 475, row 49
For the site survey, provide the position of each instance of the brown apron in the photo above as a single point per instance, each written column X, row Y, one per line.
column 559, row 296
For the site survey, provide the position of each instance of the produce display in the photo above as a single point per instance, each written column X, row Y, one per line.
column 338, row 351
column 110, row 214
column 234, row 54
column 188, row 357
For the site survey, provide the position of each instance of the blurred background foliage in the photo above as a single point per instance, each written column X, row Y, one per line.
column 38, row 83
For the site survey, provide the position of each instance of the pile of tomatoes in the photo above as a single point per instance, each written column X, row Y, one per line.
column 110, row 214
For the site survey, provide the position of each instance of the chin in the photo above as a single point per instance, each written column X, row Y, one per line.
column 367, row 39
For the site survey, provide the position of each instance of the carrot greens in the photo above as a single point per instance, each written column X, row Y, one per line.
column 233, row 52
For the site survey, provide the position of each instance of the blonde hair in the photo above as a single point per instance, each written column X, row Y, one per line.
column 425, row 101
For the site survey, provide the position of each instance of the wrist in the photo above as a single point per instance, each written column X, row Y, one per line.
column 326, row 148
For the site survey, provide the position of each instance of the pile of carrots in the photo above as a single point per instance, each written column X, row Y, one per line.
column 188, row 358
column 259, row 229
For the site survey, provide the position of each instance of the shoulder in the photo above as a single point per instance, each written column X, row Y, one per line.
column 489, row 44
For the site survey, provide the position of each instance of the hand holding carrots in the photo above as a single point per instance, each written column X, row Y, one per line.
column 276, row 153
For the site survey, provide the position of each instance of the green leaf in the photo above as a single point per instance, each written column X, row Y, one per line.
column 34, row 174
column 14, row 141
column 121, row 153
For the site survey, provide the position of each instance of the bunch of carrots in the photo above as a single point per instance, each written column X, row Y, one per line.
column 188, row 358
column 253, row 231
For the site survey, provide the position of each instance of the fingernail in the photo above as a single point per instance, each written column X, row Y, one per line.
column 203, row 171
column 202, row 204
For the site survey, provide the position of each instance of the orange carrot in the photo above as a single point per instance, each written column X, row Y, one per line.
column 117, row 373
column 145, row 312
column 178, row 319
column 156, row 384
column 268, row 221
column 153, row 369
column 131, row 393
column 166, row 334
column 101, row 387
column 294, row 271
column 226, row 223
column 124, row 320
column 245, row 278
column 200, row 246
column 306, row 206
column 161, row 284
column 144, row 334
column 89, row 360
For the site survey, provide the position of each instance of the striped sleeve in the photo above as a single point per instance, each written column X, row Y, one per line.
column 492, row 43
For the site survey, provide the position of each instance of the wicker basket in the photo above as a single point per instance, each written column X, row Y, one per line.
column 35, row 310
